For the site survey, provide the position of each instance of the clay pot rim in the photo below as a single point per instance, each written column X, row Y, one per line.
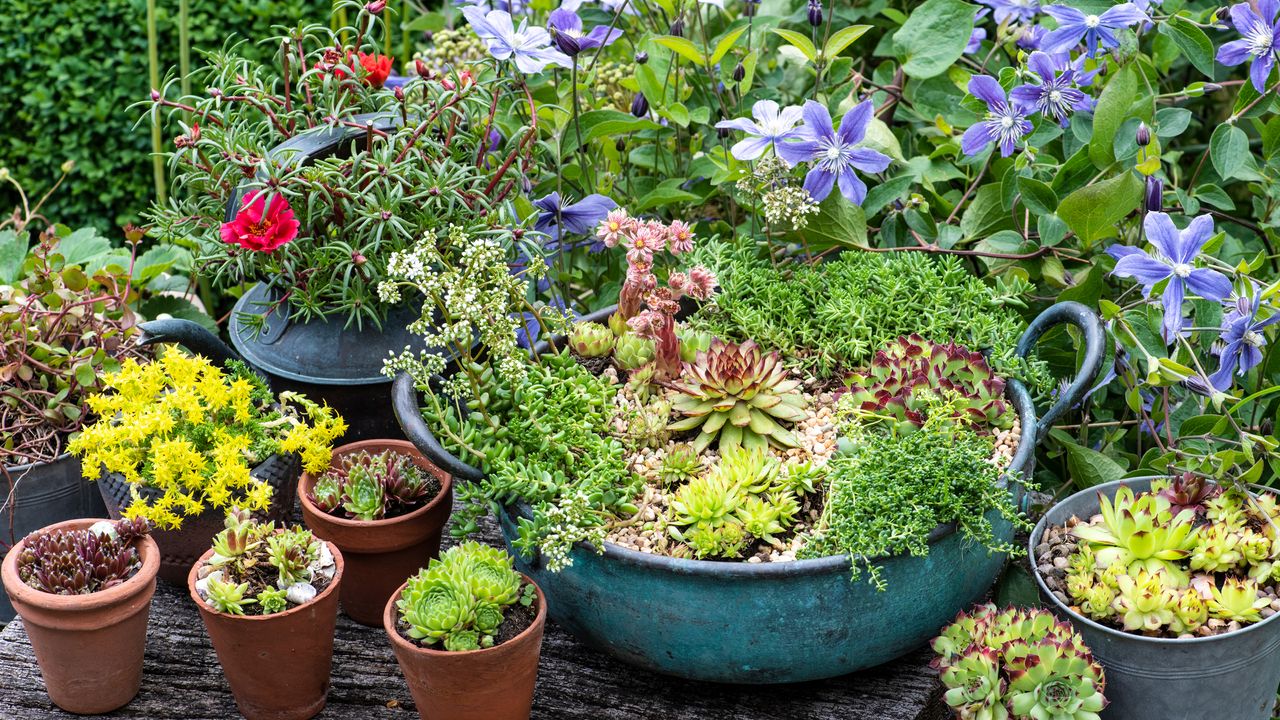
column 389, row 625
column 20, row 592
column 306, row 481
column 332, row 587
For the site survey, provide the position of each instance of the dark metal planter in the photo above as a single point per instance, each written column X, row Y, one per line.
column 774, row 622
column 1225, row 676
column 325, row 360
column 39, row 495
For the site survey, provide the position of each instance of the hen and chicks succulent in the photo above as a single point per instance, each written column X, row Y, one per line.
column 1158, row 568
column 459, row 600
column 373, row 486
column 1020, row 664
column 79, row 562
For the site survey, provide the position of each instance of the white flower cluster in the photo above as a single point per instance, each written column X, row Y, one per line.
column 791, row 204
column 569, row 522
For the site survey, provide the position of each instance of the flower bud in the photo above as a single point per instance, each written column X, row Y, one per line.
column 566, row 43
column 68, row 166
column 620, row 145
column 723, row 133
column 815, row 12
column 640, row 105
column 399, row 93
column 739, row 73
column 642, row 57
column 357, row 259
column 421, row 68
column 1144, row 135
column 155, row 95
column 375, row 7
column 1154, row 201
column 1211, row 88
column 749, row 8
column 134, row 234
column 677, row 28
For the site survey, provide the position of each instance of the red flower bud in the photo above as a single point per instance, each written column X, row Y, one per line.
column 421, row 68
column 375, row 7
column 358, row 259
column 155, row 95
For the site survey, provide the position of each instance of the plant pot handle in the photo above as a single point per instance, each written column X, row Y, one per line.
column 404, row 402
column 1094, row 353
column 192, row 335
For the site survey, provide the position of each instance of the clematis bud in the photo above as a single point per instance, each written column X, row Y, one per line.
column 620, row 144
column 1144, row 135
column 677, row 28
column 642, row 57
column 566, row 43
column 749, row 8
column 1154, row 201
column 375, row 7
column 640, row 105
column 739, row 73
column 815, row 12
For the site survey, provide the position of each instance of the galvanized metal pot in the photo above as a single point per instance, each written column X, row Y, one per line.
column 38, row 495
column 772, row 622
column 324, row 359
column 1232, row 676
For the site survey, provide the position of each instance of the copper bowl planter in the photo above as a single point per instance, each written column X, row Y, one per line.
column 380, row 554
column 494, row 683
column 277, row 665
column 89, row 647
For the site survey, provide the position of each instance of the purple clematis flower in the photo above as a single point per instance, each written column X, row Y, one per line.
column 529, row 47
column 1095, row 30
column 834, row 153
column 1174, row 261
column 1031, row 36
column 566, row 31
column 1020, row 11
column 1056, row 95
column 771, row 127
column 979, row 33
column 1005, row 121
column 1242, row 341
column 580, row 218
column 1258, row 41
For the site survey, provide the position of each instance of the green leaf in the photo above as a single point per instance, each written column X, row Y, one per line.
column 934, row 37
column 665, row 194
column 985, row 214
column 683, row 47
column 726, row 43
column 13, row 251
column 83, row 246
column 1052, row 229
column 799, row 42
column 1229, row 151
column 842, row 39
column 176, row 307
column 1113, row 109
column 838, row 223
column 885, row 193
column 1089, row 467
column 84, row 374
column 1192, row 41
column 603, row 123
column 676, row 113
column 748, row 71
column 1172, row 121
column 1093, row 211
column 1037, row 196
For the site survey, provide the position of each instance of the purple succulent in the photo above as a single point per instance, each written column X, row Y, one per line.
column 1258, row 40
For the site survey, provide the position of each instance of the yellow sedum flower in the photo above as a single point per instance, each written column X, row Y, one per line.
column 195, row 431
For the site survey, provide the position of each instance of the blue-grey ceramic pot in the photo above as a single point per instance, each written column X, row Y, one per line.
column 1225, row 676
column 786, row 622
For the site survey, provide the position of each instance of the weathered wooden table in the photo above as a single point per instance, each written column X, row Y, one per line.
column 182, row 680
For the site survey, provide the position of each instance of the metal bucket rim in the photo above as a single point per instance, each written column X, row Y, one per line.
column 1110, row 631
column 31, row 466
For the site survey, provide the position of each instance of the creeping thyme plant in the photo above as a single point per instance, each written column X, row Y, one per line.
column 1188, row 558
column 194, row 432
column 1018, row 664
column 461, row 599
column 79, row 562
column 423, row 157
column 259, row 569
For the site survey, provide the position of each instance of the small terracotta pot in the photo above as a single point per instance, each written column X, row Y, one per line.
column 179, row 548
column 493, row 683
column 277, row 665
column 380, row 554
column 89, row 647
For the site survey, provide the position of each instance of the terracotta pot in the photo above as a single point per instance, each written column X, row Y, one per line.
column 277, row 665
column 89, row 647
column 380, row 554
column 490, row 684
column 181, row 547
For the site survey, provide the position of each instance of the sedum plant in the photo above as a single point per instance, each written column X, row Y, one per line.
column 1017, row 664
column 1140, row 567
column 373, row 486
column 259, row 569
column 894, row 386
column 194, row 431
column 737, row 395
column 458, row 601
column 744, row 497
column 80, row 562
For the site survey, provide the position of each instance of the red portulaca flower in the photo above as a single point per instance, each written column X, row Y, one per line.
column 377, row 67
column 259, row 227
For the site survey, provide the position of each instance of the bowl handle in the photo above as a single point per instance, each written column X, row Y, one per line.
column 404, row 401
column 1094, row 352
column 189, row 334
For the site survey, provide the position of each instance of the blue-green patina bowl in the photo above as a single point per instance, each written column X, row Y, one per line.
column 785, row 622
